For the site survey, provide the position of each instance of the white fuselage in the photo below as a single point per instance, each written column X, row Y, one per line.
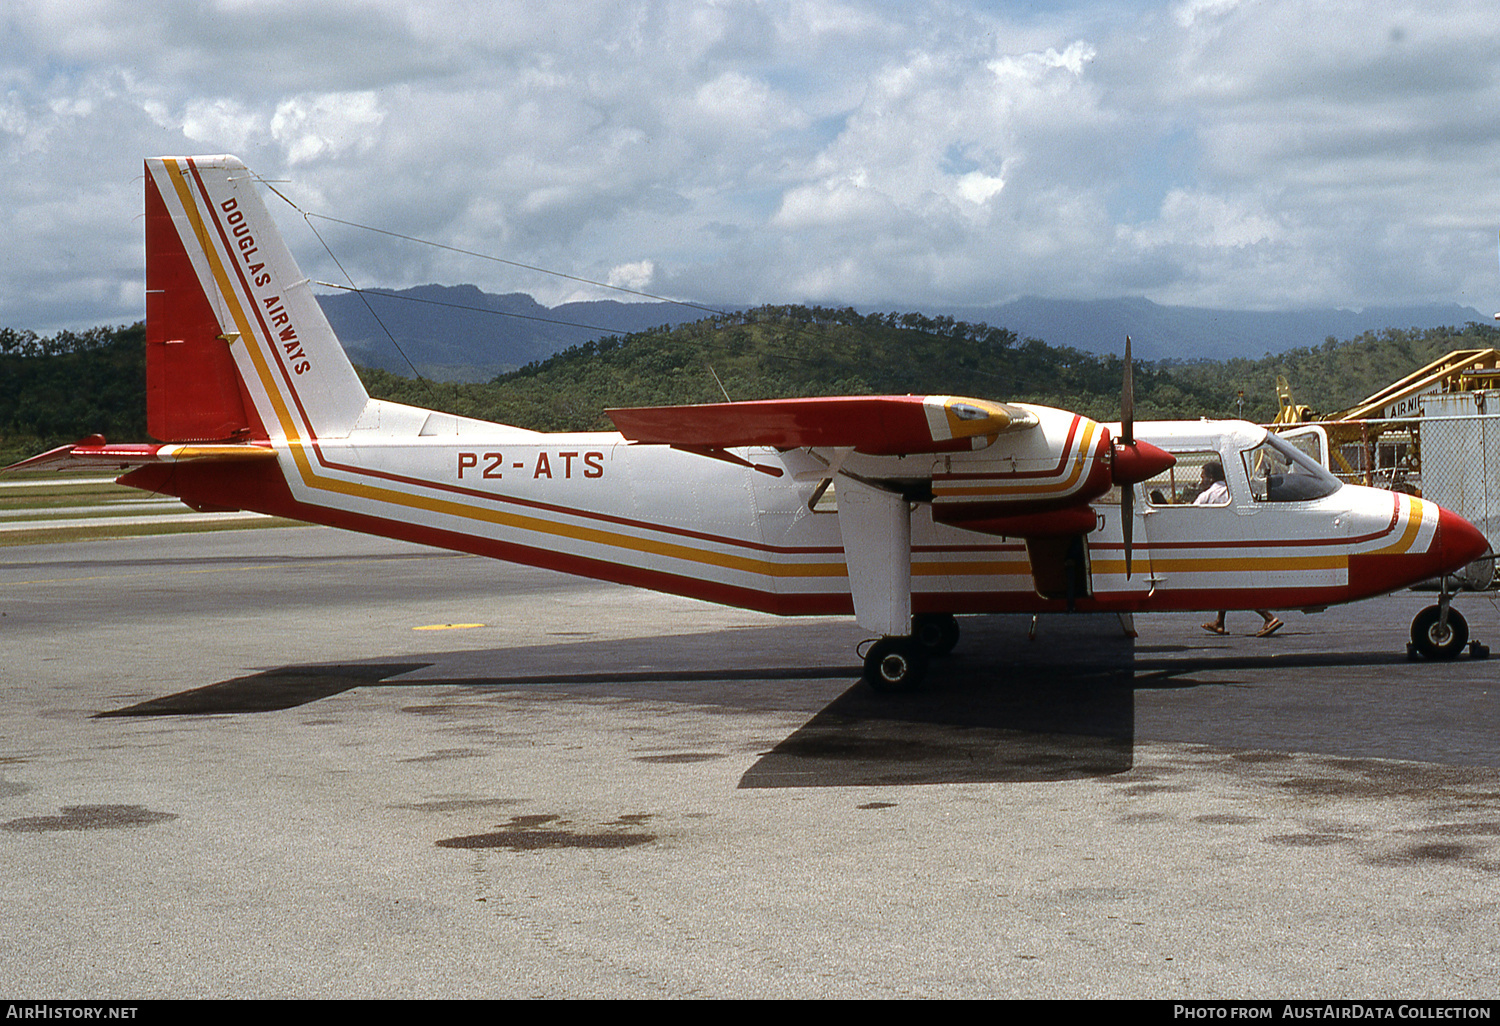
column 653, row 516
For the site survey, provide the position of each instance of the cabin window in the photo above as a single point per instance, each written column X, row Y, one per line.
column 1281, row 472
column 1181, row 483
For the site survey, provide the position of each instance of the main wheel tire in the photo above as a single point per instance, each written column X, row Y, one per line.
column 937, row 633
column 895, row 664
column 1435, row 643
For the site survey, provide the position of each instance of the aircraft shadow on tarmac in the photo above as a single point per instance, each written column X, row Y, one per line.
column 999, row 709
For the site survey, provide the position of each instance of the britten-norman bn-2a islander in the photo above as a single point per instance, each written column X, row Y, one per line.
column 904, row 510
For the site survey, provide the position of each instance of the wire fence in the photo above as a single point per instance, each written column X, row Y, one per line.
column 1399, row 453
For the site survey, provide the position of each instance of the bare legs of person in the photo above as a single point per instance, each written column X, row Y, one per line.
column 1269, row 627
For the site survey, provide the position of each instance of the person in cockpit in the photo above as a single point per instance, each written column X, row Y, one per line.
column 1212, row 491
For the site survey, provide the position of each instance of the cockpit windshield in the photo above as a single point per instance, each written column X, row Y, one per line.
column 1281, row 472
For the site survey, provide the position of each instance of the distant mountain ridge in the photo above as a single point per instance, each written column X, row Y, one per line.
column 460, row 333
column 1196, row 333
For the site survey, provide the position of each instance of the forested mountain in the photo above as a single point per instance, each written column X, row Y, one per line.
column 58, row 389
column 795, row 351
column 789, row 351
column 1199, row 333
column 460, row 333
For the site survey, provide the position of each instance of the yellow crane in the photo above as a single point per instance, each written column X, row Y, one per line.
column 1290, row 412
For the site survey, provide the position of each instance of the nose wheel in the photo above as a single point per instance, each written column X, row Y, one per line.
column 1435, row 635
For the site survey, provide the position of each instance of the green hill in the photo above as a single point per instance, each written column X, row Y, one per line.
column 1337, row 374
column 798, row 351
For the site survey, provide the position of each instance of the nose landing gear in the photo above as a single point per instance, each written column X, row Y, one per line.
column 1440, row 632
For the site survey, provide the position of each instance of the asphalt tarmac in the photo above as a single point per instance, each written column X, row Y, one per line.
column 302, row 763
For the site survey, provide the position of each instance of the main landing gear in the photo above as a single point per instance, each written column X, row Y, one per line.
column 1440, row 632
column 895, row 664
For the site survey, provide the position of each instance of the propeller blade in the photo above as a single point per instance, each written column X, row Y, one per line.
column 1126, row 444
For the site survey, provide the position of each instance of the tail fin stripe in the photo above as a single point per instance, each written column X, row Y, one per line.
column 299, row 378
column 211, row 254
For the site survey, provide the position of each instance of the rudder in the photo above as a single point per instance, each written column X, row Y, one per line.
column 193, row 391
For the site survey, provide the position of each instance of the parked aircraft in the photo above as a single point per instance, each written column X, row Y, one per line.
column 904, row 510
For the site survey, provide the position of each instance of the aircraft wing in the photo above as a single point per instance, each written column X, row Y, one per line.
column 881, row 425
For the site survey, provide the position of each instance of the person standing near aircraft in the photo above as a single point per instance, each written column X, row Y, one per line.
column 1213, row 491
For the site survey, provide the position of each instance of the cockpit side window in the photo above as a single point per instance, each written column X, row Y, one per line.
column 1281, row 472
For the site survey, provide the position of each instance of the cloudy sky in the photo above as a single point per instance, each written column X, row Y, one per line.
column 1228, row 153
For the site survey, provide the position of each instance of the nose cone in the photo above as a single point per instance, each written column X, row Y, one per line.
column 1139, row 461
column 1459, row 542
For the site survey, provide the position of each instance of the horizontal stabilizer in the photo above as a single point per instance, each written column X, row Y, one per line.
column 881, row 425
column 94, row 451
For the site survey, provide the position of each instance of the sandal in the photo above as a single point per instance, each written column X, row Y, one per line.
column 1214, row 628
column 1270, row 628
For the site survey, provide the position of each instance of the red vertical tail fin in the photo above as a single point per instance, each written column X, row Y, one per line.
column 193, row 392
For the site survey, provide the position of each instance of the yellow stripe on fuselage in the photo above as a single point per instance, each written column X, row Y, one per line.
column 979, row 568
column 1414, row 517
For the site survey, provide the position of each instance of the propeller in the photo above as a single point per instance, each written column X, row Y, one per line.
column 1132, row 462
column 1127, row 441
